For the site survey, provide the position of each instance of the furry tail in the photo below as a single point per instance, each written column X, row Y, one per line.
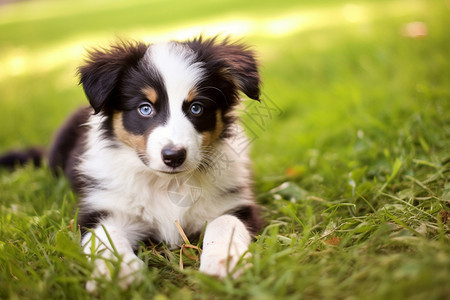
column 13, row 159
column 62, row 154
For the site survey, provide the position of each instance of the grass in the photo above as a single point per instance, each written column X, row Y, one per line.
column 351, row 151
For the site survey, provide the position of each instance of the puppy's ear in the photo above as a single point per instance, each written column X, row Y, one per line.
column 233, row 60
column 100, row 75
column 243, row 67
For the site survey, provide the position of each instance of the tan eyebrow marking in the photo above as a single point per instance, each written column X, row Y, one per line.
column 150, row 94
column 191, row 95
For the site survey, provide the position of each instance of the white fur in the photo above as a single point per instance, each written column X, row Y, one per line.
column 226, row 241
column 99, row 242
column 175, row 63
column 132, row 189
column 180, row 74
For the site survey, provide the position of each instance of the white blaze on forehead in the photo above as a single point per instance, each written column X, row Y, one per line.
column 175, row 63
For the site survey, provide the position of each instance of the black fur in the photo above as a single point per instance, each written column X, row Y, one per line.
column 68, row 143
column 89, row 219
column 231, row 67
column 101, row 74
column 207, row 121
column 132, row 97
column 232, row 61
column 251, row 217
column 17, row 158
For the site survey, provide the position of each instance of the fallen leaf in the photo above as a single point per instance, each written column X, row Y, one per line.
column 334, row 241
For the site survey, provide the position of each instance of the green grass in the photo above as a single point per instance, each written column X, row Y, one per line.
column 352, row 166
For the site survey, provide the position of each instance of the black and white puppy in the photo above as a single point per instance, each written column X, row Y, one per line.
column 158, row 145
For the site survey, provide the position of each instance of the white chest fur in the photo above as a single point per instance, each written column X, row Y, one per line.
column 145, row 201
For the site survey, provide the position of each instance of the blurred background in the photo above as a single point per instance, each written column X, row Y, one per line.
column 350, row 145
column 339, row 77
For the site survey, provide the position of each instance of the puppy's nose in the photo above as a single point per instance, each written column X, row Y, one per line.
column 173, row 156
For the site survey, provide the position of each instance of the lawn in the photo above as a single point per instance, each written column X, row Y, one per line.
column 350, row 147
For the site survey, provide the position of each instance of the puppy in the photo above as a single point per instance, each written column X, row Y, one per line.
column 158, row 144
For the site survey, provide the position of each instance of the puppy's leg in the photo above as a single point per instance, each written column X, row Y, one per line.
column 109, row 243
column 226, row 240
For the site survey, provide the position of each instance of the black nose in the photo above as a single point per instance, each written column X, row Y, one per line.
column 173, row 156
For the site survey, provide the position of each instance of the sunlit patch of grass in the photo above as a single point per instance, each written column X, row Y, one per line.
column 18, row 60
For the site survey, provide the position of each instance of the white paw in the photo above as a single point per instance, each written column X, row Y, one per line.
column 129, row 270
column 221, row 264
column 226, row 241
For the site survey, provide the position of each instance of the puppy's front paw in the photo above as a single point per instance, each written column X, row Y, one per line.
column 129, row 270
column 220, row 263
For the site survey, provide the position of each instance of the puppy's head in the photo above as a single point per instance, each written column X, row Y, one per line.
column 170, row 102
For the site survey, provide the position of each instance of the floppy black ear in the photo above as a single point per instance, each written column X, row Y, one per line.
column 243, row 67
column 103, row 68
column 236, row 61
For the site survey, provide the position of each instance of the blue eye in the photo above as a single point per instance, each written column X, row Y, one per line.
column 145, row 110
column 196, row 109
